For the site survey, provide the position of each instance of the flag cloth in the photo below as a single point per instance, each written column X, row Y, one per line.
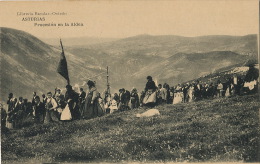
column 62, row 67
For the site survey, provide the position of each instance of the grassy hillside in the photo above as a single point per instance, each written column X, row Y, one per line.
column 28, row 64
column 218, row 130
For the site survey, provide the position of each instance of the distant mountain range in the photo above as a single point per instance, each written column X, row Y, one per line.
column 80, row 41
column 168, row 45
column 29, row 64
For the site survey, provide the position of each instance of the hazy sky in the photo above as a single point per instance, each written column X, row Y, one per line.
column 129, row 18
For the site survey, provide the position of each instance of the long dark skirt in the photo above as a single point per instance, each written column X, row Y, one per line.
column 92, row 110
column 74, row 110
column 81, row 109
column 39, row 119
column 51, row 116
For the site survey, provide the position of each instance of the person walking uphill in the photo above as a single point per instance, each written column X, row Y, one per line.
column 92, row 108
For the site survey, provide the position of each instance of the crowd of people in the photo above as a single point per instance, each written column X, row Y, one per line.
column 56, row 107
column 198, row 90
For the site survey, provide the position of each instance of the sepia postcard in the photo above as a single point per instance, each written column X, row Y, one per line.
column 129, row 81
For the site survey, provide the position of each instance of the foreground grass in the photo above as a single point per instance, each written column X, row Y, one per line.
column 216, row 130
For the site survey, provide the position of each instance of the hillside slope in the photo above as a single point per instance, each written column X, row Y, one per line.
column 131, row 70
column 182, row 67
column 218, row 130
column 28, row 64
column 171, row 59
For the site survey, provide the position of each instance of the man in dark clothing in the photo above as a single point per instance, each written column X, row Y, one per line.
column 150, row 97
column 11, row 111
column 33, row 99
column 197, row 90
column 11, row 102
column 240, row 85
column 44, row 99
column 72, row 97
column 124, row 99
column 210, row 92
column 27, row 107
column 19, row 113
column 142, row 98
column 134, row 99
column 167, row 87
column 127, row 97
column 150, row 84
column 171, row 95
column 38, row 110
column 3, row 117
column 204, row 90
column 120, row 95
column 71, row 94
column 82, row 96
column 251, row 78
column 159, row 94
column 185, row 92
column 116, row 97
column 252, row 74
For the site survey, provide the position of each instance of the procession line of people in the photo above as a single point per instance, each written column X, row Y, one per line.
column 72, row 106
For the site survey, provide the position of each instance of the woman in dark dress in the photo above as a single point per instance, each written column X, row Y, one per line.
column 134, row 99
column 92, row 107
column 150, row 98
column 150, row 85
column 72, row 97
